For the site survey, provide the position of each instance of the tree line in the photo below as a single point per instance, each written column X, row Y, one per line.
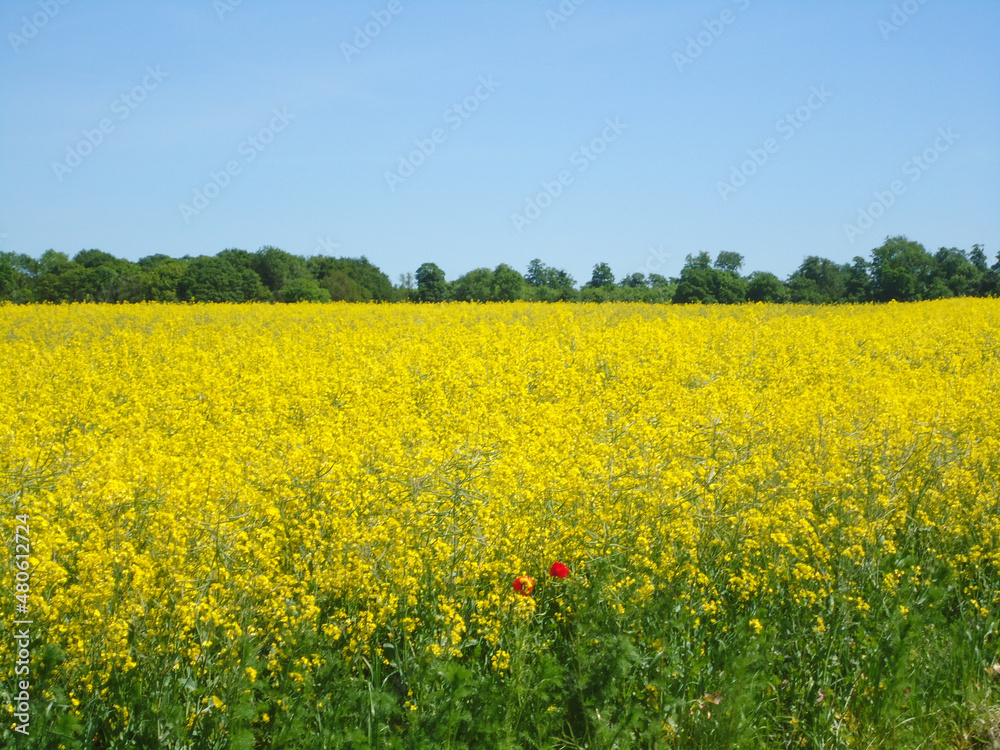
column 900, row 270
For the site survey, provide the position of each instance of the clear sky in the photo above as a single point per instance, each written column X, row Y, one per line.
column 476, row 133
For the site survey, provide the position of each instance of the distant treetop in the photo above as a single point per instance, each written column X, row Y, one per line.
column 900, row 269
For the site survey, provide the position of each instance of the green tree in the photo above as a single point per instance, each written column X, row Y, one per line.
column 342, row 288
column 370, row 281
column 901, row 270
column 537, row 274
column 227, row 277
column 159, row 276
column 766, row 287
column 661, row 288
column 990, row 286
column 955, row 273
column 107, row 278
column 126, row 285
column 474, row 286
column 8, row 278
column 72, row 283
column 431, row 284
column 596, row 293
column 729, row 261
column 91, row 276
column 48, row 282
column 508, row 284
column 95, row 259
column 276, row 268
column 406, row 289
column 700, row 282
column 634, row 281
column 991, row 282
column 858, row 280
column 697, row 281
column 18, row 273
column 658, row 281
column 152, row 261
column 601, row 277
column 540, row 275
column 52, row 261
column 818, row 281
column 978, row 258
column 549, row 284
column 237, row 257
column 731, row 288
column 303, row 289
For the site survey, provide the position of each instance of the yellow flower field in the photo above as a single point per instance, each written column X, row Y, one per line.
column 242, row 513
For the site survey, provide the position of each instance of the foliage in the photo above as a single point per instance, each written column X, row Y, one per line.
column 368, row 281
column 228, row 277
column 277, row 269
column 956, row 274
column 9, row 276
column 898, row 270
column 475, row 286
column 507, row 285
column 160, row 276
column 902, row 270
column 602, row 277
column 546, row 277
column 766, row 287
column 729, row 261
column 431, row 284
column 700, row 282
column 857, row 281
column 303, row 290
column 342, row 288
column 818, row 281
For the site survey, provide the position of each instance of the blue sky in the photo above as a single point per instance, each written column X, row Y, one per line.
column 471, row 134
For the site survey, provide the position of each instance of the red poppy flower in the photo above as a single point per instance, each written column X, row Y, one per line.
column 524, row 585
column 559, row 570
